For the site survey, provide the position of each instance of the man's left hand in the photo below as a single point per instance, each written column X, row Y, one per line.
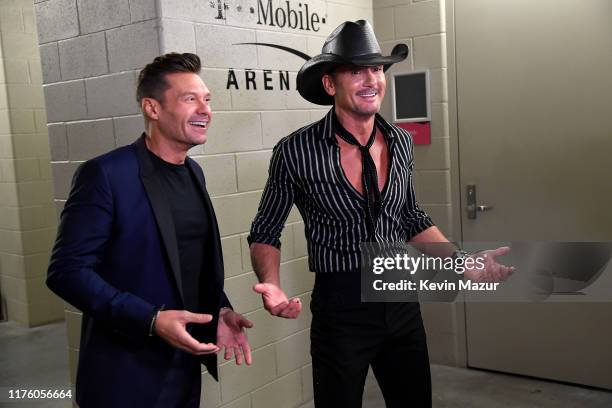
column 232, row 337
column 493, row 271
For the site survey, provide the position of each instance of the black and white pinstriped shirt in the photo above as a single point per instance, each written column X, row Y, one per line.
column 305, row 169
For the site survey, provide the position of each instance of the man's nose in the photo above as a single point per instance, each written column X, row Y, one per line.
column 370, row 77
column 204, row 107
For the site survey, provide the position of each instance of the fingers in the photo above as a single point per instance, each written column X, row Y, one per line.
column 200, row 318
column 261, row 288
column 246, row 348
column 244, row 322
column 191, row 345
column 500, row 251
column 292, row 309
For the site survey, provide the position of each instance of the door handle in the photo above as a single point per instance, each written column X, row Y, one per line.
column 472, row 207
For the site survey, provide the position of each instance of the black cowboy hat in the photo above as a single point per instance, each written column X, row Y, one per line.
column 351, row 43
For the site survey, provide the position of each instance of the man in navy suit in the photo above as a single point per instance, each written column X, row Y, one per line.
column 138, row 252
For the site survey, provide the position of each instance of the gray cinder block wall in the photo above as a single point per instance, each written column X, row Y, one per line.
column 91, row 52
column 27, row 221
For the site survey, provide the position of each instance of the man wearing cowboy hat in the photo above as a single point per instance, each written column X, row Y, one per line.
column 350, row 176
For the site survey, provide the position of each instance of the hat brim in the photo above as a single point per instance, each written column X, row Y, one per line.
column 309, row 83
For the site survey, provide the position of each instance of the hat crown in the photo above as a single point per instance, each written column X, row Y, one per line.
column 352, row 39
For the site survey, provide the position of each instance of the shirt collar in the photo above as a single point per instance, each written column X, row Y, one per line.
column 327, row 129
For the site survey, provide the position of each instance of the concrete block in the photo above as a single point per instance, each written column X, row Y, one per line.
column 339, row 13
column 296, row 279
column 270, row 329
column 177, row 36
column 47, row 311
column 439, row 86
column 59, row 206
column 443, row 348
column 40, row 120
column 112, row 95
column 13, row 264
column 30, row 145
column 269, row 58
column 133, row 46
column 38, row 240
column 294, row 99
column 88, row 139
column 22, row 121
column 73, row 328
column 238, row 289
column 17, row 311
column 62, row 178
column 128, row 129
column 83, row 56
column 287, row 251
column 235, row 212
column 8, row 194
column 432, row 157
column 299, row 240
column 33, row 217
column 430, row 51
column 238, row 380
column 248, row 89
column 58, row 142
column 234, row 132
column 141, row 10
column 36, row 264
column 35, row 70
column 45, row 168
column 99, row 15
column 315, row 45
column 189, row 10
column 4, row 105
column 220, row 173
column 9, row 216
column 65, row 101
column 387, row 3
column 417, row 19
column 278, row 124
column 439, row 120
column 73, row 362
column 11, row 19
column 406, row 65
column 14, row 289
column 25, row 96
column 56, row 20
column 383, row 24
column 433, row 187
column 29, row 22
column 242, row 402
column 49, row 59
column 248, row 16
column 232, row 255
column 230, row 55
column 284, row 392
column 26, row 169
column 35, row 193
column 216, row 82
column 211, row 392
column 293, row 352
column 16, row 71
column 439, row 317
column 307, row 390
column 252, row 170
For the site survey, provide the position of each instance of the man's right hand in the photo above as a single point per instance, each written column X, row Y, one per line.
column 276, row 302
column 170, row 325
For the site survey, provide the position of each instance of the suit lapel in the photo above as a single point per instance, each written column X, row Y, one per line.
column 161, row 210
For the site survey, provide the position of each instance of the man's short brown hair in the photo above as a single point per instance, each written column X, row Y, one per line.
column 152, row 79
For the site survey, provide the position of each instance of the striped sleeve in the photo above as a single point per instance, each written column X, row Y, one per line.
column 275, row 204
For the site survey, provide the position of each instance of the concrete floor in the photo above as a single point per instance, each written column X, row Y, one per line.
column 38, row 357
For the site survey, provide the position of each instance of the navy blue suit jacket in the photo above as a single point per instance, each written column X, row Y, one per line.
column 116, row 259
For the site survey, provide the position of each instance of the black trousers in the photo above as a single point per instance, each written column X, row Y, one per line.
column 348, row 336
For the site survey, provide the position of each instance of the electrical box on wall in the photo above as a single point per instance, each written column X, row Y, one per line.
column 412, row 105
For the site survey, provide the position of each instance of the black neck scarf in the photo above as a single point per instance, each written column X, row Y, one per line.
column 369, row 177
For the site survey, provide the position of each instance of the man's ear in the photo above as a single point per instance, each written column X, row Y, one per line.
column 150, row 108
column 328, row 84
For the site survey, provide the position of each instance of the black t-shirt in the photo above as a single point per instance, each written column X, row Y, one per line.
column 191, row 224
